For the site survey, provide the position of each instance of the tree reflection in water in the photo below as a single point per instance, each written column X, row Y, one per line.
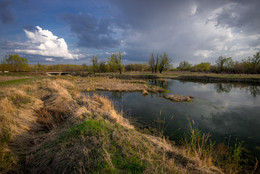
column 226, row 88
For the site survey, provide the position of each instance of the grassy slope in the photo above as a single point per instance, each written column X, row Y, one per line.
column 50, row 127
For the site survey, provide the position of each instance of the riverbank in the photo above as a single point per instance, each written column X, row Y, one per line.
column 188, row 76
column 179, row 75
column 48, row 126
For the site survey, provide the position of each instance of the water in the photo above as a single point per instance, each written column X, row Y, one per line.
column 230, row 112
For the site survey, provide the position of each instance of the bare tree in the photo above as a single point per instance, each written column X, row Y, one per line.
column 164, row 62
column 156, row 67
column 94, row 61
column 152, row 63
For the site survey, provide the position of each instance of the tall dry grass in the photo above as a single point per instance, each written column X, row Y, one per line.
column 68, row 132
column 110, row 113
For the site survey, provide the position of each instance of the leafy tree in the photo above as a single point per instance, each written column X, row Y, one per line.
column 103, row 66
column 84, row 67
column 202, row 67
column 164, row 62
column 94, row 61
column 253, row 63
column 15, row 63
column 184, row 66
column 256, row 62
column 229, row 65
column 111, row 64
column 114, row 62
column 220, row 63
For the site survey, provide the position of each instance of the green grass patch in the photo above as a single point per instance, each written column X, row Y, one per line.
column 167, row 91
column 90, row 128
column 6, row 157
column 16, row 81
column 87, row 128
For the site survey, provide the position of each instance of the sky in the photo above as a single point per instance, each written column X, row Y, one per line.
column 70, row 32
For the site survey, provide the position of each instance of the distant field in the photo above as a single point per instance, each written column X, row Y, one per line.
column 13, row 79
column 8, row 78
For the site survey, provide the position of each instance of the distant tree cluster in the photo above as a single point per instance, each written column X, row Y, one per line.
column 250, row 65
column 14, row 63
column 59, row 67
column 137, row 67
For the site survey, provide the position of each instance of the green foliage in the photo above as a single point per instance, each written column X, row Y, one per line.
column 137, row 67
column 7, row 159
column 160, row 64
column 89, row 128
column 103, row 67
column 229, row 158
column 128, row 164
column 199, row 143
column 14, row 63
column 16, row 81
column 224, row 64
column 114, row 62
column 184, row 66
column 202, row 67
column 164, row 62
column 253, row 63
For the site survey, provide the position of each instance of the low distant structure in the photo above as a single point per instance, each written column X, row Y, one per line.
column 58, row 73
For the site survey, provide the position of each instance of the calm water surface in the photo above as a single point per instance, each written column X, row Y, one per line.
column 230, row 112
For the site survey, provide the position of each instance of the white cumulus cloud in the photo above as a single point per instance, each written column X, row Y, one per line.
column 49, row 59
column 44, row 43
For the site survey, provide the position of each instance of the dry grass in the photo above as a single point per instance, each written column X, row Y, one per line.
column 58, row 130
column 98, row 83
column 110, row 113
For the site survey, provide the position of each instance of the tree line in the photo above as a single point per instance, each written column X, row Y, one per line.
column 156, row 64
column 250, row 65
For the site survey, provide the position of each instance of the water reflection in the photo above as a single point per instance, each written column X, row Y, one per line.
column 117, row 95
column 223, row 109
column 254, row 90
column 223, row 87
column 219, row 87
column 159, row 82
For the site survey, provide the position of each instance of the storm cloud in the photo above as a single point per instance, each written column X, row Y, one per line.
column 91, row 32
column 5, row 14
column 192, row 30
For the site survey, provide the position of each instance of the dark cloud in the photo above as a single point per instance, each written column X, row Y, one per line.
column 92, row 32
column 191, row 29
column 243, row 15
column 5, row 14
